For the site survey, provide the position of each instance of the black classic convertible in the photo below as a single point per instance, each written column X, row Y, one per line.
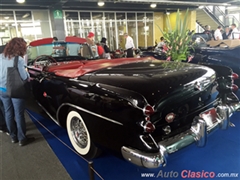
column 222, row 52
column 142, row 108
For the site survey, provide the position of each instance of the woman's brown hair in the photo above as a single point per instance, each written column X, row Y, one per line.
column 15, row 47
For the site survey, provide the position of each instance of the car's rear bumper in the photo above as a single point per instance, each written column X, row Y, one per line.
column 202, row 126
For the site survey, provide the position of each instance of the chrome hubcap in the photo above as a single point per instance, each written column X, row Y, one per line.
column 79, row 132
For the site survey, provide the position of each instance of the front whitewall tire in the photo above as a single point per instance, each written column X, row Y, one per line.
column 80, row 150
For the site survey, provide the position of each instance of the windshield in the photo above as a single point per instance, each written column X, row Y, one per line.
column 56, row 49
column 60, row 51
column 73, row 48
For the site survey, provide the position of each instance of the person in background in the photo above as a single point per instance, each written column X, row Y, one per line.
column 129, row 46
column 106, row 54
column 226, row 33
column 235, row 33
column 218, row 33
column 160, row 44
column 55, row 51
column 59, row 48
column 13, row 107
column 208, row 32
column 73, row 49
column 91, row 43
column 55, row 39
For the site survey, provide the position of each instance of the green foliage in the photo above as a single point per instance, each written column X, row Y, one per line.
column 177, row 38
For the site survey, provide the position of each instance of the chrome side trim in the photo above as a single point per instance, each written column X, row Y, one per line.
column 87, row 111
column 49, row 114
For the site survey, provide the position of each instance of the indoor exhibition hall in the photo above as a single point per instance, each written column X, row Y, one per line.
column 119, row 89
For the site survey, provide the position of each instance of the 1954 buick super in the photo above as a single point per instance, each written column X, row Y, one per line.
column 143, row 108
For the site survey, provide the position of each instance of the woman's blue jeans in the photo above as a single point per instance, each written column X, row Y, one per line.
column 14, row 115
column 2, row 118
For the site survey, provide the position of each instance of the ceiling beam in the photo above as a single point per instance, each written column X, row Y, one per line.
column 180, row 2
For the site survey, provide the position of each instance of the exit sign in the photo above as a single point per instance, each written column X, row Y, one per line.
column 57, row 14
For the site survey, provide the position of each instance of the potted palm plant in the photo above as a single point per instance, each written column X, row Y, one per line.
column 178, row 39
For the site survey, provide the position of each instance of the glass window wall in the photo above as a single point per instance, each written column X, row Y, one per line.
column 30, row 25
column 23, row 15
column 7, row 26
column 112, row 25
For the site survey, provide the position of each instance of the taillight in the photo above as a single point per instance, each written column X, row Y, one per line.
column 148, row 110
column 147, row 118
column 234, row 87
column 170, row 117
column 234, row 76
column 148, row 127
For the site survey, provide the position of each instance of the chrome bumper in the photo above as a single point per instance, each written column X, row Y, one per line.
column 204, row 124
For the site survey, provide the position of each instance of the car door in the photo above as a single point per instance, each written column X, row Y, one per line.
column 47, row 89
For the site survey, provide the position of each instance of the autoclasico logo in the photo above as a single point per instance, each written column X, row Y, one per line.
column 186, row 174
column 189, row 174
column 198, row 174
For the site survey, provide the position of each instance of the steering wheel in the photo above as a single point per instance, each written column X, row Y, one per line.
column 44, row 60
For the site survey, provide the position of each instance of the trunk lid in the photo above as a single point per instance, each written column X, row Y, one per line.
column 155, row 79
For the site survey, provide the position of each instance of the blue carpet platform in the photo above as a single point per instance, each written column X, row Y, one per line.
column 219, row 159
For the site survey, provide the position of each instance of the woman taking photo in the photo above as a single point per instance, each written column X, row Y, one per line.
column 13, row 107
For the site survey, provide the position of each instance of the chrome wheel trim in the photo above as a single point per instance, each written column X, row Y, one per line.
column 79, row 133
column 81, row 145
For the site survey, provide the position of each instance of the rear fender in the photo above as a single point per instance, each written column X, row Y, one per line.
column 224, row 81
column 221, row 71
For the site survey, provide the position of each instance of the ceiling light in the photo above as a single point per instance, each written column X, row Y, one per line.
column 101, row 3
column 153, row 5
column 201, row 7
column 6, row 17
column 20, row 1
column 167, row 13
column 26, row 15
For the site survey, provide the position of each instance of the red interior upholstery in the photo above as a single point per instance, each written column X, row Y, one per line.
column 78, row 68
column 64, row 66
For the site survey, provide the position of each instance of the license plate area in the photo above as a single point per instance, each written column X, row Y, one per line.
column 210, row 116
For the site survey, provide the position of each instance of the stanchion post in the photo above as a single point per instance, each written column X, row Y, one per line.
column 90, row 170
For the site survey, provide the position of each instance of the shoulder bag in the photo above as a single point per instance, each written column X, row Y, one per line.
column 16, row 87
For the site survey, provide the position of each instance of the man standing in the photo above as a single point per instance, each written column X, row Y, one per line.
column 235, row 33
column 227, row 32
column 92, row 45
column 218, row 33
column 208, row 33
column 129, row 46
